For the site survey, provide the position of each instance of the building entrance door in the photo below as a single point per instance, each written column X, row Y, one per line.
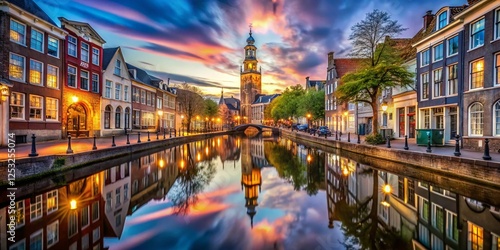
column 401, row 112
column 411, row 122
column 77, row 120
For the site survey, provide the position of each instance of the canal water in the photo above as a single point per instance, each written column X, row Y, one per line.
column 251, row 193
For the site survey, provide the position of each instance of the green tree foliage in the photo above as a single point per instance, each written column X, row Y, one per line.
column 313, row 102
column 211, row 108
column 287, row 105
column 383, row 65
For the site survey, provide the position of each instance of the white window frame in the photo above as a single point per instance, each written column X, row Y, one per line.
column 21, row 244
column 125, row 93
column 38, row 213
column 422, row 86
column 37, row 108
column 449, row 225
column 35, row 234
column 496, row 34
column 95, row 55
column 22, row 105
column 97, row 211
column 56, row 240
column 471, row 72
column 84, row 52
column 32, row 61
column 74, row 75
column 72, row 46
column 422, row 53
column 55, row 197
column 51, row 76
column 470, row 120
column 471, row 34
column 42, row 42
column 48, row 46
column 52, row 110
column 21, row 211
column 96, row 81
column 448, row 80
column 82, row 78
column 434, row 49
column 496, row 118
column 434, row 216
column 118, row 67
column 448, row 45
column 23, row 79
column 436, row 91
column 118, row 91
column 23, row 42
column 85, row 211
column 72, row 214
column 421, row 208
column 438, row 23
column 108, row 87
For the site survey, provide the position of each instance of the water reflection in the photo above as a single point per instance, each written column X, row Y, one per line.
column 249, row 193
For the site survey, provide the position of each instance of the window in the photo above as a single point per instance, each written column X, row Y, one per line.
column 452, row 80
column 95, row 83
column 437, row 243
column 108, row 202
column 136, row 119
column 438, row 82
column 36, row 72
column 495, row 241
column 118, row 68
column 438, row 52
column 118, row 197
column 425, row 85
column 16, row 67
column 84, row 52
column 52, row 76
column 127, row 117
column 438, row 217
column 71, row 76
column 476, row 119
column 135, row 94
column 497, row 118
column 423, row 235
column 477, row 74
column 72, row 46
column 36, row 40
column 17, row 32
column 84, row 80
column 53, row 47
column 125, row 190
column 118, row 117
column 52, row 201
column 118, row 220
column 475, row 237
column 16, row 105
column 424, row 57
column 423, row 209
column 107, row 117
column 96, row 234
column 19, row 213
column 497, row 24
column 72, row 223
column 125, row 93
column 95, row 211
column 85, row 216
column 496, row 80
column 148, row 98
column 52, row 234
column 118, row 90
column 443, row 20
column 143, row 96
column 20, row 245
column 477, row 34
column 36, row 107
column 453, row 46
column 95, row 56
column 36, row 240
column 36, row 208
column 451, row 226
column 85, row 242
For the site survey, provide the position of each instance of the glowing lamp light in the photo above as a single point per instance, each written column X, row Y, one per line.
column 161, row 163
column 309, row 158
column 345, row 171
column 182, row 116
column 198, row 157
column 387, row 188
column 74, row 99
column 308, row 115
column 346, row 113
column 160, row 112
column 385, row 204
column 72, row 204
column 182, row 164
column 384, row 106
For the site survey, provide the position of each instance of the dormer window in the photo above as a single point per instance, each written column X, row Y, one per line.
column 442, row 20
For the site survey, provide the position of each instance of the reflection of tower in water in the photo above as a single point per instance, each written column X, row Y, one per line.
column 251, row 180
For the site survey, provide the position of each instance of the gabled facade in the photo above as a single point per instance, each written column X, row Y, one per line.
column 116, row 104
column 31, row 72
column 81, row 102
column 144, row 113
column 259, row 107
column 229, row 109
column 315, row 84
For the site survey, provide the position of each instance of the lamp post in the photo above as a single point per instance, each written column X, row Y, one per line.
column 160, row 114
column 308, row 120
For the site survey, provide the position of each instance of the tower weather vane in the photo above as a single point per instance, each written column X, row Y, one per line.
column 250, row 25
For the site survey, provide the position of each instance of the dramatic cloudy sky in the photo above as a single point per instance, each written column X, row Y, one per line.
column 201, row 41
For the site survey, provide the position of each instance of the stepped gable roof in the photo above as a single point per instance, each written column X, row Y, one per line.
column 107, row 55
column 31, row 7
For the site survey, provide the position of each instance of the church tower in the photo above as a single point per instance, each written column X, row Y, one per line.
column 250, row 79
column 251, row 180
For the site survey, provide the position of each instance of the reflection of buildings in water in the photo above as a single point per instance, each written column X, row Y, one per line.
column 257, row 153
column 336, row 188
column 62, row 218
column 228, row 148
column 251, row 182
column 116, row 193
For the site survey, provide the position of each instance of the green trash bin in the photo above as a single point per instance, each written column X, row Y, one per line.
column 437, row 137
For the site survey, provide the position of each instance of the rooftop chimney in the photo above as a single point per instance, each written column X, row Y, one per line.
column 330, row 59
column 428, row 18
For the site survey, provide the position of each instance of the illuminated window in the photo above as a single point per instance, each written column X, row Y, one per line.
column 84, row 52
column 17, row 32
column 52, row 201
column 475, row 237
column 477, row 74
column 496, row 79
column 477, row 34
column 52, row 109
column 36, row 40
column 36, row 72
column 476, row 119
column 36, row 208
column 16, row 67
column 16, row 105
column 36, row 107
column 53, row 47
column 52, row 76
column 72, row 46
column 19, row 213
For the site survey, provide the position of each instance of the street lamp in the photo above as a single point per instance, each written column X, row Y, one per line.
column 384, row 106
column 308, row 121
column 5, row 92
column 72, row 204
column 74, row 99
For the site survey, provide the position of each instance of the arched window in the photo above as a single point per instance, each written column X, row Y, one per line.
column 476, row 119
column 118, row 117
column 496, row 119
column 107, row 117
column 127, row 118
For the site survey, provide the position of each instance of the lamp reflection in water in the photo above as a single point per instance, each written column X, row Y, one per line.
column 387, row 190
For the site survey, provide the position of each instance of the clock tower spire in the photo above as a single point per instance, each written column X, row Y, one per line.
column 250, row 79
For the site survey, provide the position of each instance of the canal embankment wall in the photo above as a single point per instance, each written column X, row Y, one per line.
column 27, row 169
column 487, row 172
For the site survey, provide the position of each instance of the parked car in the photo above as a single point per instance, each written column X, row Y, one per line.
column 295, row 126
column 323, row 130
column 302, row 127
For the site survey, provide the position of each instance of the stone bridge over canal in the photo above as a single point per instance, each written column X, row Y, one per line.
column 243, row 127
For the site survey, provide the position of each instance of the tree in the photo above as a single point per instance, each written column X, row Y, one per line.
column 382, row 66
column 287, row 105
column 190, row 102
column 313, row 102
column 211, row 109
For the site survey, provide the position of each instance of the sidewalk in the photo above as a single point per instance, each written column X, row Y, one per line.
column 447, row 150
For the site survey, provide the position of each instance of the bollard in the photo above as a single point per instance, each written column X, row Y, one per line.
column 348, row 136
column 326, row 135
column 113, row 141
column 164, row 134
column 457, row 145
column 33, row 147
column 94, row 147
column 340, row 136
column 139, row 137
column 388, row 139
column 157, row 135
column 429, row 150
column 406, row 143
column 149, row 139
column 336, row 136
column 69, row 150
column 359, row 139
column 486, row 155
column 170, row 133
column 128, row 141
